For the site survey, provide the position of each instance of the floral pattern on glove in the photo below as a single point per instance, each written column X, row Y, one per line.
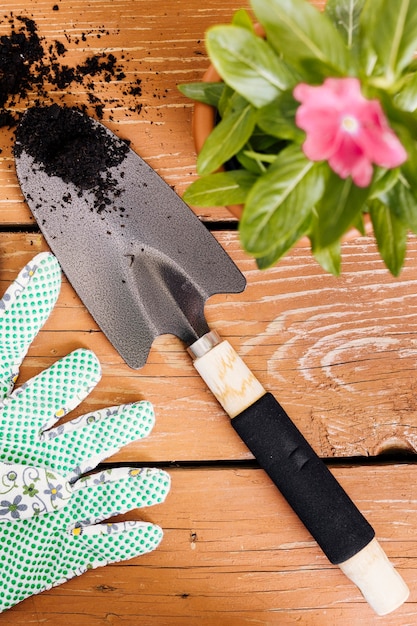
column 27, row 491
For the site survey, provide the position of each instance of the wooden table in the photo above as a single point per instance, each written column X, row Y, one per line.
column 339, row 353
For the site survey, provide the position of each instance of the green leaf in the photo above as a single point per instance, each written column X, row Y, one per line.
column 406, row 97
column 284, row 246
column 391, row 235
column 247, row 63
column 278, row 118
column 402, row 202
column 315, row 71
column 252, row 163
column 209, row 93
column 337, row 210
column 299, row 31
column 228, row 101
column 383, row 181
column 242, row 18
column 260, row 156
column 399, row 119
column 359, row 223
column 330, row 258
column 226, row 139
column 259, row 149
column 280, row 201
column 390, row 28
column 345, row 16
column 276, row 253
column 409, row 168
column 220, row 189
column 263, row 142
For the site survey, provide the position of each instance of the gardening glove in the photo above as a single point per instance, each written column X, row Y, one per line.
column 49, row 515
column 24, row 309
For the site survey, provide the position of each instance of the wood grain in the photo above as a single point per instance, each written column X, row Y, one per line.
column 233, row 554
column 159, row 44
column 339, row 354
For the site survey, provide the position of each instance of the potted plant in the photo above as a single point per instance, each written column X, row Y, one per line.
column 316, row 126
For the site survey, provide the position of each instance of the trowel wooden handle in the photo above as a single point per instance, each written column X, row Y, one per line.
column 310, row 488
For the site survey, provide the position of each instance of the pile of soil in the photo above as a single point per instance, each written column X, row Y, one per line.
column 66, row 143
column 31, row 65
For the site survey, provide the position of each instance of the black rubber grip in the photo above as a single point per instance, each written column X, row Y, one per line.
column 304, row 480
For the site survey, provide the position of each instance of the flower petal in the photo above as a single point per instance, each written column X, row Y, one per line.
column 316, row 119
column 320, row 146
column 350, row 160
column 383, row 148
column 362, row 172
column 344, row 128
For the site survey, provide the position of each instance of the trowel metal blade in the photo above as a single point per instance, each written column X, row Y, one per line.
column 140, row 260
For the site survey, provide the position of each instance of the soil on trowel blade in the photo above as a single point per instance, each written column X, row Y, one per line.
column 66, row 143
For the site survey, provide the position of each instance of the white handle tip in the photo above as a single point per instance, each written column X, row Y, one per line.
column 375, row 576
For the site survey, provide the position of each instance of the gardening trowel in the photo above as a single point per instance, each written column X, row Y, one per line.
column 144, row 265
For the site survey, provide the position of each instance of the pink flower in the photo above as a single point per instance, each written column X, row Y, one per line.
column 346, row 129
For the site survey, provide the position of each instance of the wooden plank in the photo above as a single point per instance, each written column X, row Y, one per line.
column 233, row 554
column 339, row 354
column 159, row 44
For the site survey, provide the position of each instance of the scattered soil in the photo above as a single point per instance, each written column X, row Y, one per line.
column 34, row 71
column 66, row 143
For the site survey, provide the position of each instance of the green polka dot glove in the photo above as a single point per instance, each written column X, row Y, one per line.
column 50, row 511
column 24, row 309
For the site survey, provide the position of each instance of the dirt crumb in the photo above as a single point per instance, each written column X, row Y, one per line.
column 34, row 71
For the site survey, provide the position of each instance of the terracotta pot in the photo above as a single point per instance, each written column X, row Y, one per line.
column 204, row 120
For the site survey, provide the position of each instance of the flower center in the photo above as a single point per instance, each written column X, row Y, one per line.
column 350, row 124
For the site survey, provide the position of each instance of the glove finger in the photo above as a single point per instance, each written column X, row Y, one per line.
column 95, row 436
column 24, row 308
column 110, row 543
column 40, row 554
column 117, row 491
column 45, row 398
